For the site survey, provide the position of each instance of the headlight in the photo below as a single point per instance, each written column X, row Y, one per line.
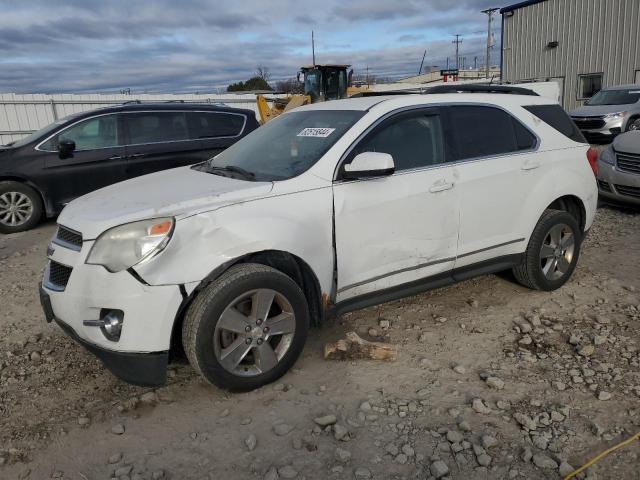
column 127, row 245
column 608, row 156
column 611, row 116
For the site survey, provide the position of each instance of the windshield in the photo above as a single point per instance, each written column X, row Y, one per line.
column 285, row 147
column 43, row 132
column 615, row 97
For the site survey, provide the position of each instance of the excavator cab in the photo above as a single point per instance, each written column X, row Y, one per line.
column 325, row 82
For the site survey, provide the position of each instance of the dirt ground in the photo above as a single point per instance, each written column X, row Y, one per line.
column 492, row 381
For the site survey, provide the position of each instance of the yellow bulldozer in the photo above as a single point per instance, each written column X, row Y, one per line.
column 321, row 83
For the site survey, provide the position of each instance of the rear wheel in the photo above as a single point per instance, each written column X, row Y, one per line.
column 20, row 207
column 552, row 253
column 247, row 328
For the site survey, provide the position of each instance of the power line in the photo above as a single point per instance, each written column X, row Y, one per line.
column 457, row 41
column 489, row 12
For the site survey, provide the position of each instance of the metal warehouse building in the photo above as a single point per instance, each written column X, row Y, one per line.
column 583, row 44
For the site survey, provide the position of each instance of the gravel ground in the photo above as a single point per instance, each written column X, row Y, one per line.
column 492, row 381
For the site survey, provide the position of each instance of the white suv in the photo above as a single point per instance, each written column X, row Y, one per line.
column 328, row 208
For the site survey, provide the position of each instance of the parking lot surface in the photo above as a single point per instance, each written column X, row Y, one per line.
column 492, row 381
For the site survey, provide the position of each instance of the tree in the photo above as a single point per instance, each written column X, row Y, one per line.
column 254, row 83
column 290, row 85
column 263, row 72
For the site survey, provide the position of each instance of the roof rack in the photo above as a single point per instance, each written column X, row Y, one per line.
column 470, row 88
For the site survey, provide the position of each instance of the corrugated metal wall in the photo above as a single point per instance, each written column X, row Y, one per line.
column 23, row 114
column 593, row 36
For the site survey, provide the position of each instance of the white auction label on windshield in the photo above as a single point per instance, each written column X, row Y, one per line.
column 320, row 132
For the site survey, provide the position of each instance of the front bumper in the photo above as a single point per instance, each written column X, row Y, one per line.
column 617, row 186
column 140, row 355
column 604, row 133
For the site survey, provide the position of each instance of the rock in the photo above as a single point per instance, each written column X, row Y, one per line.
column 483, row 460
column 365, row 406
column 342, row 455
column 115, row 458
column 82, row 421
column 401, row 458
column 125, row 470
column 35, row 356
column 272, row 474
column 543, row 461
column 287, row 472
column 408, row 450
column 488, row 441
column 245, row 421
column 586, row 351
column 362, row 473
column 439, row 469
column 460, row 369
column 525, row 340
column 340, row 432
column 495, row 382
column 454, row 437
column 464, row 426
column 157, row 475
column 149, row 398
column 480, row 407
column 117, row 429
column 540, row 442
column 599, row 340
column 282, row 429
column 384, row 324
column 325, row 420
column 526, row 455
column 565, row 469
column 559, row 386
column 224, row 413
column 604, row 396
column 525, row 421
column 251, row 441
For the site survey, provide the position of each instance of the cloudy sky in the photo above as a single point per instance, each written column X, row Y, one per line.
column 49, row 46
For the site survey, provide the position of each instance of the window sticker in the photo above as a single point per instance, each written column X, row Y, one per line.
column 318, row 132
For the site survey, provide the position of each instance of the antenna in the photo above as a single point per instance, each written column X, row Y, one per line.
column 422, row 62
column 313, row 49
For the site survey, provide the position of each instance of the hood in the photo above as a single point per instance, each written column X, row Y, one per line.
column 627, row 142
column 175, row 192
column 590, row 111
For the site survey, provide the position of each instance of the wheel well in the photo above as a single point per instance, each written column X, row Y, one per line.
column 292, row 266
column 30, row 184
column 572, row 205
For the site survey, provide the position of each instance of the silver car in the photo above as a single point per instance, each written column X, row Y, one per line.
column 611, row 111
column 619, row 170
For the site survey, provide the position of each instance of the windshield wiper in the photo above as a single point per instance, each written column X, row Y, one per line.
column 233, row 169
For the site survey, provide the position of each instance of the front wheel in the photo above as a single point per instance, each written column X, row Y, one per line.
column 633, row 125
column 552, row 253
column 20, row 207
column 247, row 328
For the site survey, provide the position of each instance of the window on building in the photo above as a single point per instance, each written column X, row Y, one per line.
column 589, row 85
column 485, row 131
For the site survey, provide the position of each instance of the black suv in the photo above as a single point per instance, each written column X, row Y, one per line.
column 83, row 152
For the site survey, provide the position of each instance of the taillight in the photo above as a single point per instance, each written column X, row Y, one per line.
column 592, row 157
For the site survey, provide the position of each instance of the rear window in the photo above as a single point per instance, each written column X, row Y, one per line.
column 556, row 117
column 214, row 124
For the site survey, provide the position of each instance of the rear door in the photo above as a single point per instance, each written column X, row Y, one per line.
column 97, row 161
column 497, row 169
column 159, row 140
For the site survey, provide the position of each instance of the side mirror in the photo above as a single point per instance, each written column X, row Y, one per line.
column 66, row 148
column 368, row 165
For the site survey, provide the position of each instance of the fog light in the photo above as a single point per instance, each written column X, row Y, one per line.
column 110, row 323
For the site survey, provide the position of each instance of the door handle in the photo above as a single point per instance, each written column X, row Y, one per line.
column 441, row 187
column 137, row 155
column 115, row 157
column 530, row 165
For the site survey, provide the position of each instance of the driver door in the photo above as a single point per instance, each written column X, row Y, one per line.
column 97, row 161
column 402, row 228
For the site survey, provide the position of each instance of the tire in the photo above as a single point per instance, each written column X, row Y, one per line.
column 538, row 270
column 634, row 124
column 243, row 289
column 20, row 207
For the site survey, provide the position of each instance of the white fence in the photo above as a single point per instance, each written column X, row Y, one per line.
column 21, row 115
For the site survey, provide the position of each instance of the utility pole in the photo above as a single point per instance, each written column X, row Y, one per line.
column 489, row 12
column 313, row 49
column 422, row 62
column 457, row 41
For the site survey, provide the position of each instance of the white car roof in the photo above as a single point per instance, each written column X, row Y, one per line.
column 391, row 102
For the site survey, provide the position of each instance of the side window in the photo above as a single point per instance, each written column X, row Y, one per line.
column 91, row 134
column 479, row 131
column 413, row 140
column 555, row 116
column 213, row 124
column 154, row 127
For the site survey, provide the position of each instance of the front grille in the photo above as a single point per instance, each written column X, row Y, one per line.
column 58, row 276
column 589, row 123
column 604, row 186
column 68, row 238
column 628, row 191
column 628, row 162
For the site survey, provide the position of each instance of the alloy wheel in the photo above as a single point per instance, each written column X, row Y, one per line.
column 254, row 332
column 16, row 208
column 556, row 253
